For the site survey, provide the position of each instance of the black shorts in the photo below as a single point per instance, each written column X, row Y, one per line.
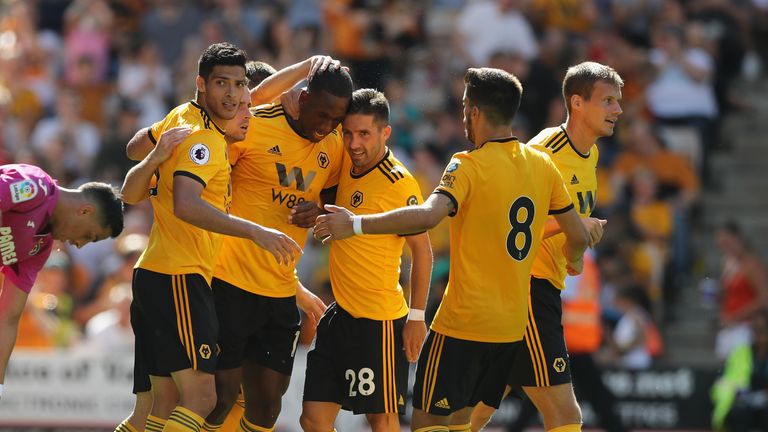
column 358, row 363
column 455, row 373
column 260, row 329
column 543, row 359
column 141, row 381
column 176, row 326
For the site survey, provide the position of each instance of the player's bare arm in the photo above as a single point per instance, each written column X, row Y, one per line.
column 191, row 208
column 272, row 87
column 338, row 224
column 594, row 227
column 135, row 185
column 576, row 240
column 139, row 146
column 415, row 330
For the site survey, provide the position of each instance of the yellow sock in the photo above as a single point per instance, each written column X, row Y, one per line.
column 125, row 427
column 246, row 426
column 460, row 428
column 207, row 427
column 154, row 424
column 576, row 427
column 183, row 420
column 433, row 429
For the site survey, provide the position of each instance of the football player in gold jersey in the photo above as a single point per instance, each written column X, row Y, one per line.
column 592, row 92
column 282, row 162
column 499, row 195
column 144, row 142
column 367, row 337
column 176, row 322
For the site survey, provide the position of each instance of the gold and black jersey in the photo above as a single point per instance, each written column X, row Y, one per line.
column 502, row 193
column 273, row 170
column 175, row 246
column 365, row 269
column 579, row 172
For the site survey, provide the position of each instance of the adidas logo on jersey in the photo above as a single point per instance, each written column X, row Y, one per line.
column 275, row 151
column 443, row 403
column 574, row 180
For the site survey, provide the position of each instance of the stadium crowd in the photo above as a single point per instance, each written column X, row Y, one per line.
column 79, row 77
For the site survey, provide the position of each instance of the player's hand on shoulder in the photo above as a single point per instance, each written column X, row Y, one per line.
column 304, row 214
column 414, row 334
column 284, row 248
column 168, row 142
column 335, row 225
column 594, row 227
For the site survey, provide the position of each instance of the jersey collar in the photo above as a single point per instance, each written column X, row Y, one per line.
column 207, row 121
column 570, row 143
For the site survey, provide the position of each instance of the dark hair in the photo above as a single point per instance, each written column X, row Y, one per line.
column 335, row 81
column 220, row 54
column 636, row 294
column 370, row 102
column 109, row 203
column 581, row 78
column 495, row 92
column 258, row 71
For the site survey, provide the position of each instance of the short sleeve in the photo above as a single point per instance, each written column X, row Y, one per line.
column 457, row 179
column 23, row 191
column 407, row 193
column 198, row 157
column 560, row 201
column 155, row 131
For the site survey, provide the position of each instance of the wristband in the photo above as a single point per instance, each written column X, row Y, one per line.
column 416, row 315
column 357, row 225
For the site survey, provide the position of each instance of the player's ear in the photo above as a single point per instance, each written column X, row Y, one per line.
column 200, row 84
column 576, row 101
column 386, row 132
column 85, row 209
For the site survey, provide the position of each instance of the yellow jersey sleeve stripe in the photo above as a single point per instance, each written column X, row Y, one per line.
column 268, row 109
column 386, row 173
column 190, row 175
column 562, row 210
column 561, row 145
column 554, row 140
column 151, row 136
column 452, row 198
column 390, row 168
column 270, row 115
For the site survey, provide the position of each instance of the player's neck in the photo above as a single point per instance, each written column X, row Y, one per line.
column 492, row 133
column 581, row 136
column 69, row 200
column 219, row 122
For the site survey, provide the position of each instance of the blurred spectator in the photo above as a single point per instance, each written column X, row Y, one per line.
column 628, row 346
column 682, row 92
column 111, row 164
column 646, row 150
column 86, row 36
column 740, row 395
column 46, row 321
column 243, row 25
column 744, row 288
column 487, row 26
column 168, row 23
column 145, row 80
column 110, row 331
column 357, row 37
column 65, row 143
